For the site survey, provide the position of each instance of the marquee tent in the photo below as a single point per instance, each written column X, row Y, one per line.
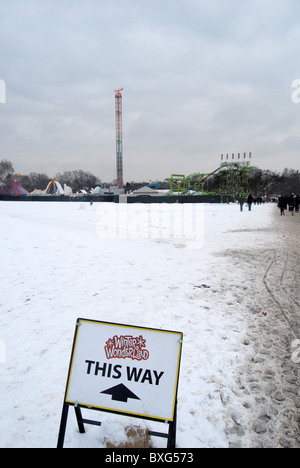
column 38, row 193
column 15, row 188
column 144, row 191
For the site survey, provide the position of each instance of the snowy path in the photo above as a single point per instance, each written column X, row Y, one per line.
column 270, row 374
column 235, row 298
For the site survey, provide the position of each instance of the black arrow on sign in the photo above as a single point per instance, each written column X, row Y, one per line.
column 120, row 393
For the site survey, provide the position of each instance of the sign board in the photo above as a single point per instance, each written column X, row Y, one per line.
column 124, row 369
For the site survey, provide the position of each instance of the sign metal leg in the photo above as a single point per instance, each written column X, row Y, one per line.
column 63, row 425
column 172, row 430
column 79, row 420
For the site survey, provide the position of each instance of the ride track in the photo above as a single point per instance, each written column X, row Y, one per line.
column 234, row 181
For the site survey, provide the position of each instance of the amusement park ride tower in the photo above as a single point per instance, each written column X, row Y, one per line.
column 119, row 142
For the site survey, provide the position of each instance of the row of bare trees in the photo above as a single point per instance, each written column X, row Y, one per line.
column 77, row 179
column 263, row 182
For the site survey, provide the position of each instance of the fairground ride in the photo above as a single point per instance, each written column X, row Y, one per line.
column 233, row 180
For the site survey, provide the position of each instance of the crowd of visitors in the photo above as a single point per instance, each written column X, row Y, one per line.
column 291, row 203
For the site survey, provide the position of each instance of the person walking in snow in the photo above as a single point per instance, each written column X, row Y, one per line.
column 297, row 203
column 241, row 200
column 292, row 203
column 282, row 205
column 250, row 201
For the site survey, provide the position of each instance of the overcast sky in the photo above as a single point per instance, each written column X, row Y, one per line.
column 200, row 78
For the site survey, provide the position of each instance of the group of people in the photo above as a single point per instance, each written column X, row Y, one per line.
column 249, row 200
column 291, row 203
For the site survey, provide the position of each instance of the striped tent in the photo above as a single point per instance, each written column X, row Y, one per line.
column 54, row 188
column 15, row 188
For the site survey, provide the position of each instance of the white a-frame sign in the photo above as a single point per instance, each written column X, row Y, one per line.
column 123, row 369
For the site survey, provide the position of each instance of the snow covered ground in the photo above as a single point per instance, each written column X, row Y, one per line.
column 228, row 281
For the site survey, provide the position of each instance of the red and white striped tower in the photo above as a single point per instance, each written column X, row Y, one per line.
column 119, row 142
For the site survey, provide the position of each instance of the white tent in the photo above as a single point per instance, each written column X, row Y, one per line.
column 97, row 190
column 67, row 190
column 38, row 192
column 144, row 191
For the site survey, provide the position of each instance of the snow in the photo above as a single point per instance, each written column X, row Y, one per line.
column 63, row 260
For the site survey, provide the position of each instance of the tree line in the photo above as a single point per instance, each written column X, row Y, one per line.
column 260, row 182
column 77, row 179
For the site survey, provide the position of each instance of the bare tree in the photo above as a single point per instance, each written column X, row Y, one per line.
column 34, row 181
column 78, row 179
column 6, row 172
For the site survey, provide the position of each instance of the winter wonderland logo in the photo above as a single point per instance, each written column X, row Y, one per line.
column 2, row 92
column 123, row 347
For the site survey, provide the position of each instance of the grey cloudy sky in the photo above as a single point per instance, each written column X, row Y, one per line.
column 200, row 78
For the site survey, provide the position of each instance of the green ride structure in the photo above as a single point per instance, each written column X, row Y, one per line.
column 230, row 180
